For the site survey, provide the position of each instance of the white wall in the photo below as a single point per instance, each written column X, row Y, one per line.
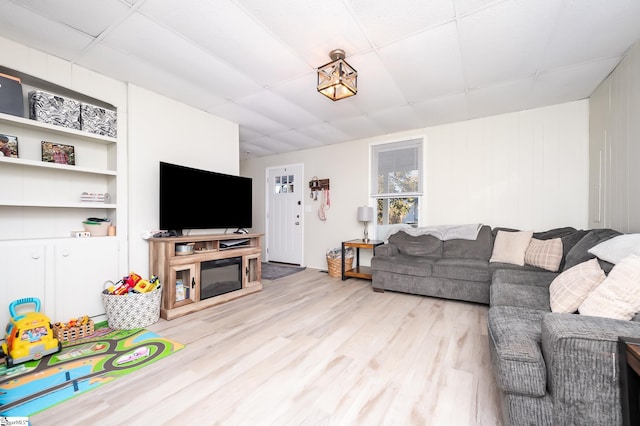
column 527, row 170
column 161, row 129
column 614, row 189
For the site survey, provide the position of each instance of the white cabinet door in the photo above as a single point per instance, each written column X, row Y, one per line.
column 23, row 269
column 81, row 268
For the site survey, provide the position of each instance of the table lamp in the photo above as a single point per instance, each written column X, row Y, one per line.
column 365, row 215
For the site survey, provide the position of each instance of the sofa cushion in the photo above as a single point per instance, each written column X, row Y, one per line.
column 617, row 248
column 618, row 296
column 526, row 296
column 545, row 254
column 509, row 247
column 480, row 248
column 580, row 251
column 462, row 269
column 514, row 340
column 422, row 245
column 569, row 289
column 403, row 264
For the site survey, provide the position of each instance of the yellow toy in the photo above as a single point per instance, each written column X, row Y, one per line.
column 29, row 336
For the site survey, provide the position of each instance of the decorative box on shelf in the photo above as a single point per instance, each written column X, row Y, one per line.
column 64, row 333
column 53, row 109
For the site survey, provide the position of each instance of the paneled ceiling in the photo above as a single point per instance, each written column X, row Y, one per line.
column 420, row 62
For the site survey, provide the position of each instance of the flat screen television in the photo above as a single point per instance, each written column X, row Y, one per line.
column 199, row 199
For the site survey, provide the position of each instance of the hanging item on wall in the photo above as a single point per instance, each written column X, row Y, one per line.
column 317, row 185
column 325, row 204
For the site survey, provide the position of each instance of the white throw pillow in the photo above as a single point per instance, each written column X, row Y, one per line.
column 510, row 247
column 619, row 294
column 617, row 248
column 569, row 289
column 545, row 254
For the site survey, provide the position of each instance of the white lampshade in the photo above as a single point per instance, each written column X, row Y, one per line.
column 365, row 214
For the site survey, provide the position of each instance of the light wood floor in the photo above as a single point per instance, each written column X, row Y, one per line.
column 308, row 350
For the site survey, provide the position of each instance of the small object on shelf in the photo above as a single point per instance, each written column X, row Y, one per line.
column 53, row 109
column 95, row 197
column 98, row 227
column 180, row 293
column 8, row 146
column 98, row 120
column 58, row 153
column 80, row 234
column 11, row 95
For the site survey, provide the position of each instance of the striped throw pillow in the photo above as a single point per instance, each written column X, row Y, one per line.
column 569, row 289
column 545, row 254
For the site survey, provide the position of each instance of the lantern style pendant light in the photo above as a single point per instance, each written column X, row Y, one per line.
column 337, row 79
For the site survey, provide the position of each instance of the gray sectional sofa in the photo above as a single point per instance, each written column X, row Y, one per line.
column 551, row 368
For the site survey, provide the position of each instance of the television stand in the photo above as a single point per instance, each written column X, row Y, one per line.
column 180, row 275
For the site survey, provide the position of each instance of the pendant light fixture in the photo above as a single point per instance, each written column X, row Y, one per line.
column 337, row 79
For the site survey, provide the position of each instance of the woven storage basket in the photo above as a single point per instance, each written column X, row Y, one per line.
column 335, row 266
column 132, row 310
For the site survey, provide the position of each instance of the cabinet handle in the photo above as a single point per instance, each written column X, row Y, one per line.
column 193, row 283
column 65, row 253
column 35, row 255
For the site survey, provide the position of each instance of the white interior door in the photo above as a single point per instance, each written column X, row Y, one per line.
column 284, row 214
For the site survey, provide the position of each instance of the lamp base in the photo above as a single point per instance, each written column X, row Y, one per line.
column 366, row 233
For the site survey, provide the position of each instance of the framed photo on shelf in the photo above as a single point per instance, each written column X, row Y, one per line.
column 8, row 146
column 58, row 153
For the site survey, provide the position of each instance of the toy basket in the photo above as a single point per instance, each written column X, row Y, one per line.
column 132, row 310
column 68, row 334
column 334, row 261
column 335, row 266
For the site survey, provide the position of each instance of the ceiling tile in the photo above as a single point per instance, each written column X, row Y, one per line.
column 225, row 30
column 278, row 109
column 302, row 92
column 376, row 87
column 427, row 64
column 442, row 110
column 397, row 119
column 36, row 31
column 385, row 21
column 104, row 59
column 571, row 83
column 592, row 29
column 506, row 41
column 500, row 98
column 248, row 118
column 74, row 13
column 358, row 127
column 298, row 139
column 326, row 133
column 145, row 39
column 311, row 28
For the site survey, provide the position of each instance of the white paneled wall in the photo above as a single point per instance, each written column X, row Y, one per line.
column 526, row 170
column 614, row 181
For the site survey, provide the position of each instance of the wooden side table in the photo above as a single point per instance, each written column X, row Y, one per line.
column 358, row 271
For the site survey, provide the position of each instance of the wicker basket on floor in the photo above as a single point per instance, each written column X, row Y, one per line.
column 335, row 266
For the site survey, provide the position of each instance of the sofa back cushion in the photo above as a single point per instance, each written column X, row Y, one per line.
column 580, row 251
column 480, row 248
column 422, row 245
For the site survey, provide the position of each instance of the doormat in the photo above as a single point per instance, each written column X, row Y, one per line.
column 82, row 365
column 273, row 271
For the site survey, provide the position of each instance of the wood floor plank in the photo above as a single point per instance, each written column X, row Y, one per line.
column 308, row 350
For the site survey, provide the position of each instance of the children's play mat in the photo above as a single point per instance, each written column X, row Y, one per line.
column 82, row 365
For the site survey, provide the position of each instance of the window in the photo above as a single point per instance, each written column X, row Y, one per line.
column 396, row 182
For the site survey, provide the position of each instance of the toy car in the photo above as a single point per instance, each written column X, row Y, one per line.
column 29, row 336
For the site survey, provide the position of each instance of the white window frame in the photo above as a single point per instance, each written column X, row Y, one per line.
column 418, row 144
